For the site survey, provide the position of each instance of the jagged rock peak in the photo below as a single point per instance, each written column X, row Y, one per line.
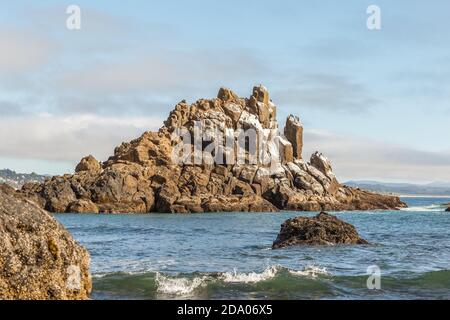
column 88, row 163
column 261, row 94
column 226, row 95
column 293, row 130
column 227, row 108
column 319, row 161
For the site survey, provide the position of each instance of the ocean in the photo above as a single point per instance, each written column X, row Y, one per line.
column 229, row 256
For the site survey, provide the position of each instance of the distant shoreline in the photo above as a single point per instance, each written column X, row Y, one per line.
column 423, row 196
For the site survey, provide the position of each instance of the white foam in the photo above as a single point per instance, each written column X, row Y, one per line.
column 251, row 277
column 101, row 275
column 433, row 207
column 178, row 286
column 310, row 271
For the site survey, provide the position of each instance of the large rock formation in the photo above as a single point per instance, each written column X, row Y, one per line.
column 323, row 229
column 38, row 257
column 223, row 154
column 448, row 209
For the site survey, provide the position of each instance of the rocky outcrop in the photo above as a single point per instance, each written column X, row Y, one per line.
column 88, row 163
column 323, row 229
column 83, row 206
column 223, row 154
column 38, row 257
column 448, row 209
column 293, row 131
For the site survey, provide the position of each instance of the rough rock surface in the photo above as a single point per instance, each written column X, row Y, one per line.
column 142, row 176
column 83, row 206
column 323, row 229
column 294, row 133
column 88, row 163
column 38, row 257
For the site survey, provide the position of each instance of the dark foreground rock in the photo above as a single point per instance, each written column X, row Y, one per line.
column 142, row 176
column 38, row 257
column 448, row 209
column 323, row 229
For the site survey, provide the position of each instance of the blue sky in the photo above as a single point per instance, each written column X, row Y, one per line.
column 375, row 102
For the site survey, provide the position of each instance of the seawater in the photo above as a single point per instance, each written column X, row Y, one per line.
column 229, row 256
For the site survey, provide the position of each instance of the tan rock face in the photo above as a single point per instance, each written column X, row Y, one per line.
column 38, row 257
column 83, row 206
column 226, row 95
column 59, row 194
column 88, row 163
column 324, row 229
column 261, row 94
column 142, row 176
column 287, row 152
column 293, row 131
column 233, row 111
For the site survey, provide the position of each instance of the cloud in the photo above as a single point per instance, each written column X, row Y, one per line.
column 110, row 105
column 69, row 138
column 162, row 72
column 8, row 108
column 147, row 86
column 328, row 92
column 359, row 158
column 23, row 51
column 111, row 67
column 427, row 85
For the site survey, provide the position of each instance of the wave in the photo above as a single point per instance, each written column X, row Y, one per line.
column 311, row 271
column 184, row 286
column 275, row 282
column 178, row 286
column 251, row 277
column 433, row 207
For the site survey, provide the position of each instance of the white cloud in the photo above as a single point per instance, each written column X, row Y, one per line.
column 161, row 72
column 23, row 51
column 358, row 158
column 70, row 138
column 327, row 92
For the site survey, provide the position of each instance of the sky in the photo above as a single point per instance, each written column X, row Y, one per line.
column 376, row 102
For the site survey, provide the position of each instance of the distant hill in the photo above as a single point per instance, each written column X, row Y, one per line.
column 430, row 189
column 17, row 180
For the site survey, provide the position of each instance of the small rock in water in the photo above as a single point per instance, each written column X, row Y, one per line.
column 323, row 229
column 448, row 209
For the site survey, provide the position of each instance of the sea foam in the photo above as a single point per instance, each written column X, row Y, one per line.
column 178, row 286
column 251, row 277
column 310, row 271
column 433, row 207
